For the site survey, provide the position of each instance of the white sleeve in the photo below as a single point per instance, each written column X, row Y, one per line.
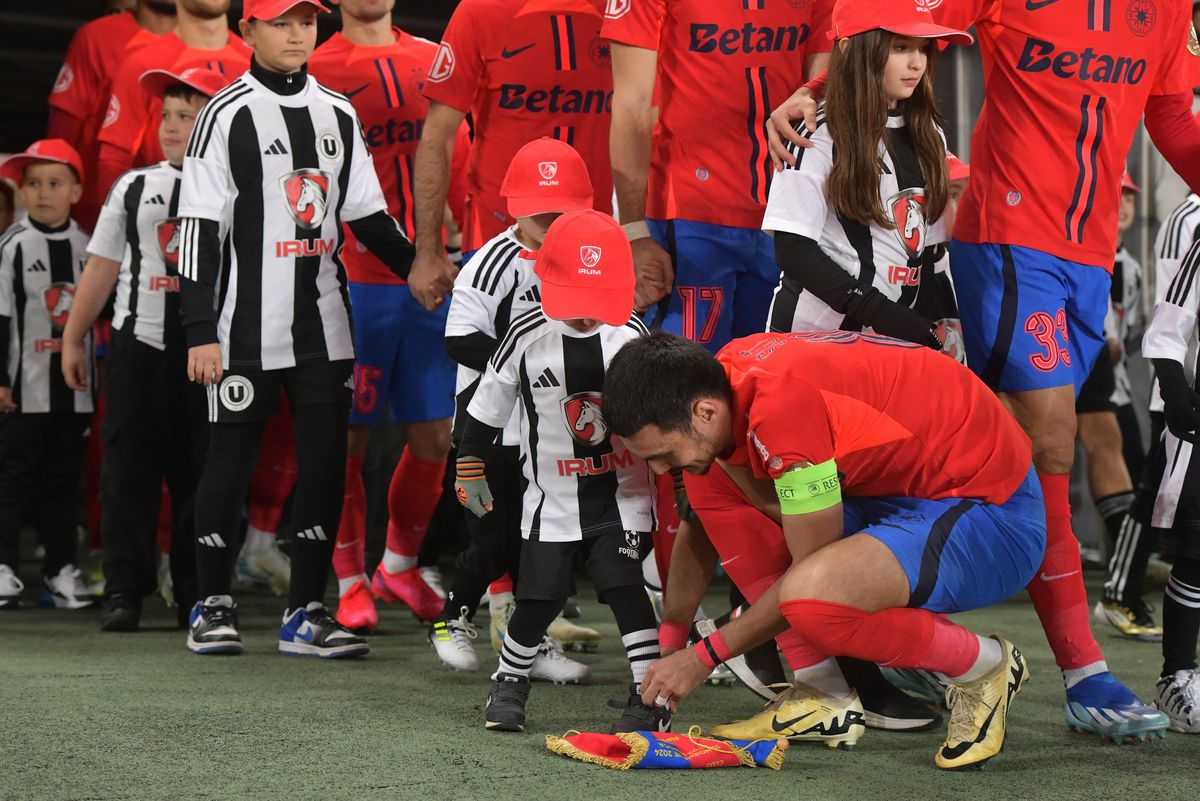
column 364, row 196
column 108, row 239
column 207, row 186
column 797, row 202
column 1174, row 323
column 497, row 393
column 474, row 307
column 6, row 284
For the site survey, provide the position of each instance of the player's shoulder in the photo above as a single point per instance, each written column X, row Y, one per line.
column 156, row 55
column 484, row 12
column 418, row 45
column 336, row 99
column 633, row 329
column 108, row 27
column 12, row 236
column 331, row 52
column 819, row 136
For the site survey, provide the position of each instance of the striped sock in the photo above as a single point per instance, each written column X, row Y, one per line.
column 641, row 648
column 516, row 660
column 1181, row 616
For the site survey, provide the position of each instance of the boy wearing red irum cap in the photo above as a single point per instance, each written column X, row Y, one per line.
column 546, row 179
column 585, row 492
column 44, row 423
column 154, row 423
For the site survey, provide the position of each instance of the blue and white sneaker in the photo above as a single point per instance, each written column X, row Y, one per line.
column 1102, row 705
column 312, row 631
column 212, row 627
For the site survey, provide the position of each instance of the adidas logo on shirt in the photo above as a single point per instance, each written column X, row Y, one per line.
column 532, row 295
column 157, row 200
column 546, row 380
column 276, row 149
column 37, row 267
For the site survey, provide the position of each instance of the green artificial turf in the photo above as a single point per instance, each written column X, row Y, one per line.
column 88, row 715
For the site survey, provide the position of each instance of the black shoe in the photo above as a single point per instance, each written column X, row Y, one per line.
column 505, row 710
column 885, row 705
column 638, row 716
column 120, row 613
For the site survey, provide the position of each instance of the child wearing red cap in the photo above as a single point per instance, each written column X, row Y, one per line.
column 45, row 422
column 154, row 422
column 585, row 493
column 498, row 285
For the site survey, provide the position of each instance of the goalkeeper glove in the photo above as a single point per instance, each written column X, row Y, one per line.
column 471, row 487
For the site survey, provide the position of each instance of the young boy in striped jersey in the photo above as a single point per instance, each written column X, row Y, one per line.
column 154, row 422
column 497, row 286
column 585, row 492
column 276, row 164
column 43, row 423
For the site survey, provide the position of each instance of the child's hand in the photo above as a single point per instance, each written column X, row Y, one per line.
column 74, row 365
column 6, row 401
column 204, row 365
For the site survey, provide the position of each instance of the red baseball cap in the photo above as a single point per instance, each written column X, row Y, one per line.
column 586, row 267
column 270, row 9
column 205, row 81
column 903, row 17
column 956, row 168
column 56, row 150
column 1127, row 184
column 546, row 175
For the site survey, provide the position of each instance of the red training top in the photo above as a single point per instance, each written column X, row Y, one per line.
column 898, row 418
column 524, row 70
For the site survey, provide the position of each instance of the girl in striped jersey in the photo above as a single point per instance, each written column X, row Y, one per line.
column 43, row 423
column 858, row 221
column 276, row 163
column 1172, row 342
column 154, row 424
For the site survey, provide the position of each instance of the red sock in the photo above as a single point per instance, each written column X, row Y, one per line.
column 349, row 555
column 164, row 521
column 500, row 585
column 900, row 637
column 413, row 496
column 275, row 474
column 1058, row 594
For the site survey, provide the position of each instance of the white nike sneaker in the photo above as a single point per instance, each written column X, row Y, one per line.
column 550, row 665
column 452, row 641
column 265, row 567
column 1178, row 695
column 10, row 588
column 433, row 577
column 68, row 590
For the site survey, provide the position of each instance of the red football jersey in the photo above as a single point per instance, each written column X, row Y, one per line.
column 722, row 67
column 1065, row 84
column 524, row 69
column 898, row 418
column 84, row 81
column 384, row 84
column 131, row 118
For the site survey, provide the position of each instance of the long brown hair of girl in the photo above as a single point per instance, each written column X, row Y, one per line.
column 856, row 111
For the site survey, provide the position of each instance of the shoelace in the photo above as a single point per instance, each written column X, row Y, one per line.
column 462, row 630
column 1191, row 693
column 552, row 649
column 963, row 701
column 218, row 616
column 322, row 619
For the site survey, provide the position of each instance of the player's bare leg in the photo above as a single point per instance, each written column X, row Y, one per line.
column 1059, row 597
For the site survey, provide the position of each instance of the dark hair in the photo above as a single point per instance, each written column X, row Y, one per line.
column 856, row 111
column 655, row 380
column 183, row 92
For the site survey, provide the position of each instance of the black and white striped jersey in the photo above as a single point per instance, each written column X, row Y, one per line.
column 1175, row 236
column 139, row 227
column 496, row 286
column 278, row 173
column 39, row 269
column 581, row 481
column 889, row 259
column 1173, row 334
column 1124, row 314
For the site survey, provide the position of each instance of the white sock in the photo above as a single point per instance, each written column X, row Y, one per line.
column 344, row 584
column 990, row 657
column 497, row 600
column 516, row 659
column 257, row 539
column 1073, row 677
column 641, row 648
column 396, row 563
column 825, row 676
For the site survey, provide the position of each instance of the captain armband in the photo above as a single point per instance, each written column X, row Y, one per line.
column 808, row 489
